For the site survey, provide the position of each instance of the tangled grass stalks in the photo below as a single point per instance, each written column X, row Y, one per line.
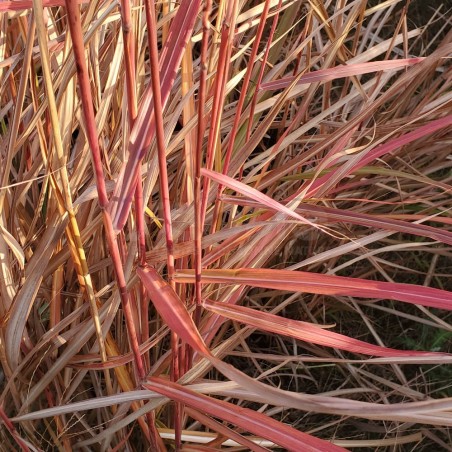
column 225, row 225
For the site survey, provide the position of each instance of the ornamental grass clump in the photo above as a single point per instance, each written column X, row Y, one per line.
column 225, row 225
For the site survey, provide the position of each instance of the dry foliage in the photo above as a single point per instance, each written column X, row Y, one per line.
column 225, row 225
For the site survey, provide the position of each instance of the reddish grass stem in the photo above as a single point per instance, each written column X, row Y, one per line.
column 160, row 134
column 129, row 62
column 164, row 189
column 198, row 156
column 91, row 130
column 261, row 72
column 219, row 89
column 241, row 102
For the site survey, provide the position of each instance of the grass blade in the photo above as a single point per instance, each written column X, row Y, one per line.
column 171, row 308
column 257, row 423
column 305, row 331
column 325, row 75
column 23, row 301
column 144, row 127
column 324, row 284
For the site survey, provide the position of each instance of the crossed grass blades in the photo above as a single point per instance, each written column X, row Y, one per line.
column 225, row 225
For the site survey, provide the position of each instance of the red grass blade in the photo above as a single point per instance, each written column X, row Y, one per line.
column 223, row 430
column 380, row 151
column 254, row 194
column 324, row 284
column 334, row 73
column 252, row 421
column 372, row 221
column 405, row 139
column 305, row 331
column 171, row 308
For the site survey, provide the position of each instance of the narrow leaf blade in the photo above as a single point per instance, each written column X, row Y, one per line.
column 305, row 331
column 171, row 308
column 253, row 421
column 324, row 284
column 348, row 70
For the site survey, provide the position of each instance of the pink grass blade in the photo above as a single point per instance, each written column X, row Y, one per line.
column 132, row 107
column 129, row 64
column 129, row 59
column 254, row 194
column 305, row 331
column 423, row 411
column 252, row 421
column 224, row 430
column 405, row 139
column 325, row 75
column 144, row 128
column 325, row 285
column 365, row 158
column 171, row 308
column 372, row 221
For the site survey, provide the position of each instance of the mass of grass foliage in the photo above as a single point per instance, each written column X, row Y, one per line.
column 225, row 225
